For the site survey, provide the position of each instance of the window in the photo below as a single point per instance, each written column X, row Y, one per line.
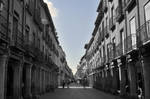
column 38, row 43
column 27, row 34
column 147, row 11
column 34, row 38
column 122, row 40
column 15, row 27
column 114, row 46
column 133, row 31
column 112, row 13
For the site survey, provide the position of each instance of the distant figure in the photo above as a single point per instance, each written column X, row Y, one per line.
column 63, row 84
column 68, row 83
column 84, row 82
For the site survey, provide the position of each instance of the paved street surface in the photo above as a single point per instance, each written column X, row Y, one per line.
column 78, row 93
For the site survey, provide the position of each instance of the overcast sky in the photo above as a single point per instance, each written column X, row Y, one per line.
column 74, row 22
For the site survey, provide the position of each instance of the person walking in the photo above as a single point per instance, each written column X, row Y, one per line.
column 63, row 84
column 68, row 83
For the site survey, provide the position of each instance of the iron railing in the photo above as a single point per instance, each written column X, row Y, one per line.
column 18, row 37
column 119, row 13
column 131, row 42
column 4, row 30
column 119, row 50
column 105, row 6
column 143, row 34
column 112, row 52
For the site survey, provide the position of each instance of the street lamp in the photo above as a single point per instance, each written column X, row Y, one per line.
column 1, row 5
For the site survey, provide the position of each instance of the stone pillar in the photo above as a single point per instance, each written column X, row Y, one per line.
column 3, row 64
column 33, row 86
column 28, row 94
column 17, row 87
column 40, row 78
column 146, row 71
column 122, row 80
column 43, row 81
column 132, row 79
column 115, row 78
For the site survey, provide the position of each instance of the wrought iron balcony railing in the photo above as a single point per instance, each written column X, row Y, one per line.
column 130, row 4
column 18, row 38
column 37, row 18
column 119, row 50
column 143, row 34
column 131, row 42
column 105, row 5
column 4, row 29
column 30, row 7
column 99, row 17
column 112, row 52
column 119, row 13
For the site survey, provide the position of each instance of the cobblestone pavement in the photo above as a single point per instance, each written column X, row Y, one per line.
column 78, row 93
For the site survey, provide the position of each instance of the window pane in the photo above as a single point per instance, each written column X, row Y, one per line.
column 147, row 11
column 133, row 31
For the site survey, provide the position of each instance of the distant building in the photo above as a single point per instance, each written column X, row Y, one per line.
column 118, row 53
column 29, row 49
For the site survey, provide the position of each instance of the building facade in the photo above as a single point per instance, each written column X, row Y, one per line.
column 118, row 53
column 28, row 49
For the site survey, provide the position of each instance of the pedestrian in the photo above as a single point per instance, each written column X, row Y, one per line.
column 63, row 84
column 84, row 83
column 68, row 83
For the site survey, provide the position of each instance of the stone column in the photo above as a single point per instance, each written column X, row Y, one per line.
column 44, row 87
column 28, row 94
column 3, row 64
column 17, row 87
column 146, row 71
column 122, row 80
column 33, row 81
column 132, row 79
column 115, row 80
column 40, row 78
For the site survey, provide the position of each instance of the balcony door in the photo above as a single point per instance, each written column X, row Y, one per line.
column 133, row 32
column 147, row 18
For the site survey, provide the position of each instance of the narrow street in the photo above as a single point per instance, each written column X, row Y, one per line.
column 78, row 93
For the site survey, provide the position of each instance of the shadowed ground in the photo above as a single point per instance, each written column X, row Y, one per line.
column 78, row 93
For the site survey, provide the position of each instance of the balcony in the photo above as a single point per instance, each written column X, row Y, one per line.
column 119, row 50
column 131, row 43
column 112, row 23
column 30, row 7
column 143, row 34
column 4, row 30
column 103, row 60
column 119, row 13
column 106, row 32
column 112, row 52
column 99, row 17
column 18, row 38
column 105, row 6
column 130, row 4
column 37, row 18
